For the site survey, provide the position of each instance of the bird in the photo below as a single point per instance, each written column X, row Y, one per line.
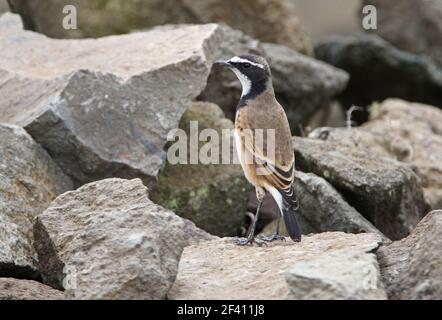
column 258, row 110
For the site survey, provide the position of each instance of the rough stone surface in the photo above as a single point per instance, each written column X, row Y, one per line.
column 337, row 275
column 332, row 115
column 281, row 15
column 103, row 107
column 107, row 240
column 411, row 25
column 302, row 84
column 371, row 61
column 3, row 6
column 220, row 269
column 213, row 196
column 29, row 181
column 412, row 267
column 276, row 22
column 336, row 17
column 322, row 208
column 387, row 192
column 389, row 134
column 325, row 209
column 15, row 289
column 356, row 138
column 419, row 144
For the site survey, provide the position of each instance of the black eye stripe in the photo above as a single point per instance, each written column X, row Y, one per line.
column 246, row 65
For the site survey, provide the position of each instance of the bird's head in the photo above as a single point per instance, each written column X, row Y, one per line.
column 252, row 71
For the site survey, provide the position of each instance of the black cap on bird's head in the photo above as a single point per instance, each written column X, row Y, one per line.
column 253, row 71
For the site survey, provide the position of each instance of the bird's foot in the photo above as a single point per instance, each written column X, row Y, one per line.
column 246, row 241
column 272, row 238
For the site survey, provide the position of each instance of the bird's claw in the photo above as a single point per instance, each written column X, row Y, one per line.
column 272, row 237
column 251, row 241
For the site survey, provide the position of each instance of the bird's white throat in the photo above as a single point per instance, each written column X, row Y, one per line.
column 245, row 82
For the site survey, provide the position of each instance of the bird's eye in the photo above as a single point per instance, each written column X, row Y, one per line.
column 246, row 65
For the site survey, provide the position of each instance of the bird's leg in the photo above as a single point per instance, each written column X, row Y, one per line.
column 276, row 235
column 260, row 193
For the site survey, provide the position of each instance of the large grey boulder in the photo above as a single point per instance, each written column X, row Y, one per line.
column 371, row 61
column 277, row 20
column 16, row 289
column 387, row 192
column 388, row 133
column 337, row 276
column 302, row 84
column 219, row 269
column 412, row 267
column 29, row 181
column 322, row 208
column 213, row 196
column 411, row 25
column 107, row 240
column 103, row 107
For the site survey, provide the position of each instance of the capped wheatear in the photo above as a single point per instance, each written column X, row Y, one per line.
column 256, row 111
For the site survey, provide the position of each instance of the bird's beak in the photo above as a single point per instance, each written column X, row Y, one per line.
column 222, row 63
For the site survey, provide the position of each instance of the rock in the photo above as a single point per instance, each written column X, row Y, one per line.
column 213, row 196
column 30, row 180
column 325, row 208
column 370, row 60
column 419, row 145
column 412, row 267
column 332, row 115
column 414, row 26
column 355, row 138
column 107, row 240
column 322, row 209
column 286, row 29
column 119, row 16
column 337, row 275
column 337, row 17
column 302, row 84
column 3, row 6
column 99, row 106
column 15, row 289
column 386, row 192
column 219, row 269
column 389, row 134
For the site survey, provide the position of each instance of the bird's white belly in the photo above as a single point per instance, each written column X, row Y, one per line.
column 237, row 135
column 276, row 196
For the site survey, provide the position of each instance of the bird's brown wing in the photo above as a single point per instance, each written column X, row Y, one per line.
column 277, row 171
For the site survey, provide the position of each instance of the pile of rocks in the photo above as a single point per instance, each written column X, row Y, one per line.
column 401, row 57
column 91, row 209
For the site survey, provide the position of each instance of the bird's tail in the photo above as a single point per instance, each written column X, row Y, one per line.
column 290, row 204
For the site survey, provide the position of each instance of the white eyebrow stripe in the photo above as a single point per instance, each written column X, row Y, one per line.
column 240, row 60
